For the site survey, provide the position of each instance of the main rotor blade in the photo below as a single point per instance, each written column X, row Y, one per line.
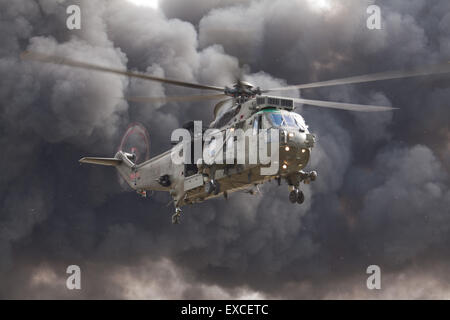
column 34, row 56
column 176, row 98
column 422, row 71
column 343, row 105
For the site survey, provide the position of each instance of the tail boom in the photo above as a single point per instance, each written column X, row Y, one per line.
column 101, row 161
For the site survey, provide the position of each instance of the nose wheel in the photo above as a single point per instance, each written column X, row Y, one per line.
column 296, row 196
column 300, row 197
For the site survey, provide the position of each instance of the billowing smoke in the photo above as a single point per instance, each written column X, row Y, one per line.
column 383, row 191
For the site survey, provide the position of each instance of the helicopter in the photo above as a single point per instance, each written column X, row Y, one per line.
column 242, row 107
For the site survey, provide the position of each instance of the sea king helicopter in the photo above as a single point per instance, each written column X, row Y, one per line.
column 242, row 106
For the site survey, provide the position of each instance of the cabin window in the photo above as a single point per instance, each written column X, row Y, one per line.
column 255, row 125
column 227, row 116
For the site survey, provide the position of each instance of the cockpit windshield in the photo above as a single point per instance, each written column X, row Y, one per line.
column 281, row 119
column 289, row 121
column 276, row 119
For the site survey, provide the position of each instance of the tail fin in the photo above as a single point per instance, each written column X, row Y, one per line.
column 121, row 162
column 101, row 161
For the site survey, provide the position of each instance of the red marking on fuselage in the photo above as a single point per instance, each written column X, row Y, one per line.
column 134, row 175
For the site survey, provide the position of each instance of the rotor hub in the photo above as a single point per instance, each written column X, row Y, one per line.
column 242, row 89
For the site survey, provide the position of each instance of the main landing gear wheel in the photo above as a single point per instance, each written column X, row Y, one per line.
column 176, row 216
column 216, row 187
column 209, row 187
column 212, row 186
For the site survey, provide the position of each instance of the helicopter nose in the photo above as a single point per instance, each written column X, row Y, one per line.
column 298, row 140
column 295, row 149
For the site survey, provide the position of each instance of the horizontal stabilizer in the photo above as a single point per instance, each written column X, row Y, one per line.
column 101, row 161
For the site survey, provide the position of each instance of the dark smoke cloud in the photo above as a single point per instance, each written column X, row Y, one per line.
column 382, row 196
column 193, row 11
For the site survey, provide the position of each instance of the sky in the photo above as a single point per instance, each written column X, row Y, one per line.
column 383, row 191
column 146, row 3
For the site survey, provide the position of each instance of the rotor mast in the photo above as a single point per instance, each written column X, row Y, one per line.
column 242, row 89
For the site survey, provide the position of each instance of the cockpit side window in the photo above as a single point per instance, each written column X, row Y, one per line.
column 255, row 125
column 300, row 122
column 266, row 124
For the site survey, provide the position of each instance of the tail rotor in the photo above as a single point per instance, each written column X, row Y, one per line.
column 136, row 143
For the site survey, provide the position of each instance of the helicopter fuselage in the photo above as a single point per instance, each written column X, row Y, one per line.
column 195, row 182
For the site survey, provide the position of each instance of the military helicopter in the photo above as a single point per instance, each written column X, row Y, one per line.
column 243, row 106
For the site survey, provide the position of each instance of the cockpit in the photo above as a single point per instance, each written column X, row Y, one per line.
column 280, row 118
